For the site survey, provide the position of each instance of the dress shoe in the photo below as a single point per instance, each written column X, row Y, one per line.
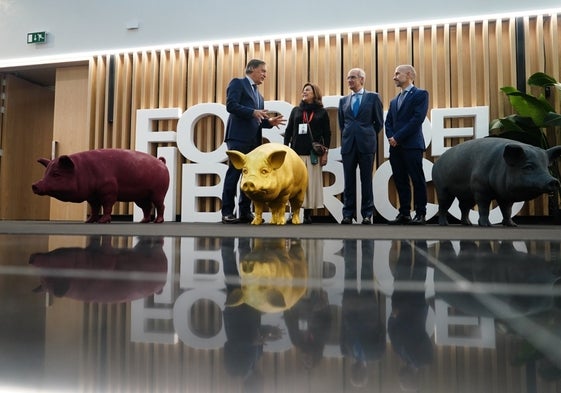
column 347, row 220
column 246, row 218
column 367, row 220
column 400, row 220
column 419, row 219
column 229, row 219
column 307, row 220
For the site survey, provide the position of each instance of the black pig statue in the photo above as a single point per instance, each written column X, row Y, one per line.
column 486, row 169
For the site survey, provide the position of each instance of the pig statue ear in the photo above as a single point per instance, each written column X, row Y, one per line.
column 277, row 158
column 236, row 158
column 553, row 153
column 513, row 154
column 43, row 161
column 66, row 162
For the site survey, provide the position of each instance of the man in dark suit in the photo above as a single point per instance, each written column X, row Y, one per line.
column 247, row 117
column 361, row 118
column 404, row 129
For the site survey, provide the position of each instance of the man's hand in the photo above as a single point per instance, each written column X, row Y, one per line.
column 260, row 114
column 277, row 120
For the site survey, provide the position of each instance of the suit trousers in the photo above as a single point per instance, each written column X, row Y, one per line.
column 365, row 163
column 230, row 189
column 408, row 164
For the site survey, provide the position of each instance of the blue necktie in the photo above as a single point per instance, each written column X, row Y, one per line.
column 400, row 99
column 256, row 93
column 356, row 104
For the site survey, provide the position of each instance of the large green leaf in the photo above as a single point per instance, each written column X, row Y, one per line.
column 514, row 123
column 541, row 79
column 552, row 119
column 529, row 106
column 518, row 128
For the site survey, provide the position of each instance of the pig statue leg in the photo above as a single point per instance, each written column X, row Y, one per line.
column 107, row 205
column 444, row 202
column 278, row 209
column 159, row 211
column 259, row 206
column 95, row 208
column 146, row 206
column 483, row 206
column 465, row 206
column 295, row 205
column 506, row 210
column 107, row 209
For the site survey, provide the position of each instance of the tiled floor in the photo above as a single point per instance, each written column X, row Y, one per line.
column 124, row 313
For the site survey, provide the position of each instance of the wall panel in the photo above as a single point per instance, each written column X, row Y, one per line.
column 70, row 125
column 25, row 136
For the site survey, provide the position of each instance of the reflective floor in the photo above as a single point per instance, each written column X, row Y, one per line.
column 121, row 313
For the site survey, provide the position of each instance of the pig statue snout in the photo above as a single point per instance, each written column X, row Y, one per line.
column 249, row 186
column 553, row 185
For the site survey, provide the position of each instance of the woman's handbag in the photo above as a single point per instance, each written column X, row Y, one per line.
column 321, row 151
column 318, row 149
column 323, row 158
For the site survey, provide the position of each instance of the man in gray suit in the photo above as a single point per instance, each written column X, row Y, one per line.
column 361, row 118
column 247, row 117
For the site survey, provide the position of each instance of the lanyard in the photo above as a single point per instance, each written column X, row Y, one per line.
column 305, row 117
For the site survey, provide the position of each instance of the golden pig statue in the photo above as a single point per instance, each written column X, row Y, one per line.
column 273, row 276
column 272, row 175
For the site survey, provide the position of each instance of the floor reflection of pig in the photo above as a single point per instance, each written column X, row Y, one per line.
column 273, row 276
column 104, row 176
column 492, row 265
column 482, row 170
column 272, row 175
column 101, row 273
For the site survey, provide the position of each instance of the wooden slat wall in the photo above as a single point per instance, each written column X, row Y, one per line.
column 460, row 64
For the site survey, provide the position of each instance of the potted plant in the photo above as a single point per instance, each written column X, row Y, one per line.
column 534, row 120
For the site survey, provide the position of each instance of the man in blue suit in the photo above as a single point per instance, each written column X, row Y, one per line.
column 247, row 117
column 361, row 118
column 404, row 130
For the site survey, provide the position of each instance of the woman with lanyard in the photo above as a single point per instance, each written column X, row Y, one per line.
column 309, row 122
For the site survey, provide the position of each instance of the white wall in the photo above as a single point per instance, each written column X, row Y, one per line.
column 77, row 28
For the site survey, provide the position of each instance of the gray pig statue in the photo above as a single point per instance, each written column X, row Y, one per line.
column 486, row 169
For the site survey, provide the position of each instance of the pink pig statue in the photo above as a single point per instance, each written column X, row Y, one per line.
column 100, row 273
column 104, row 176
column 272, row 175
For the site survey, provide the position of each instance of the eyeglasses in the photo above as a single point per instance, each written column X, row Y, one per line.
column 353, row 77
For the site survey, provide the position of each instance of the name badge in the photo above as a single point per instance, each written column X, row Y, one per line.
column 302, row 128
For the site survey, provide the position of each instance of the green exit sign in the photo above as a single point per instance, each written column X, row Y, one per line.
column 38, row 37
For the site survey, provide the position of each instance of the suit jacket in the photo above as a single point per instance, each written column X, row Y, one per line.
column 406, row 124
column 363, row 129
column 243, row 131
